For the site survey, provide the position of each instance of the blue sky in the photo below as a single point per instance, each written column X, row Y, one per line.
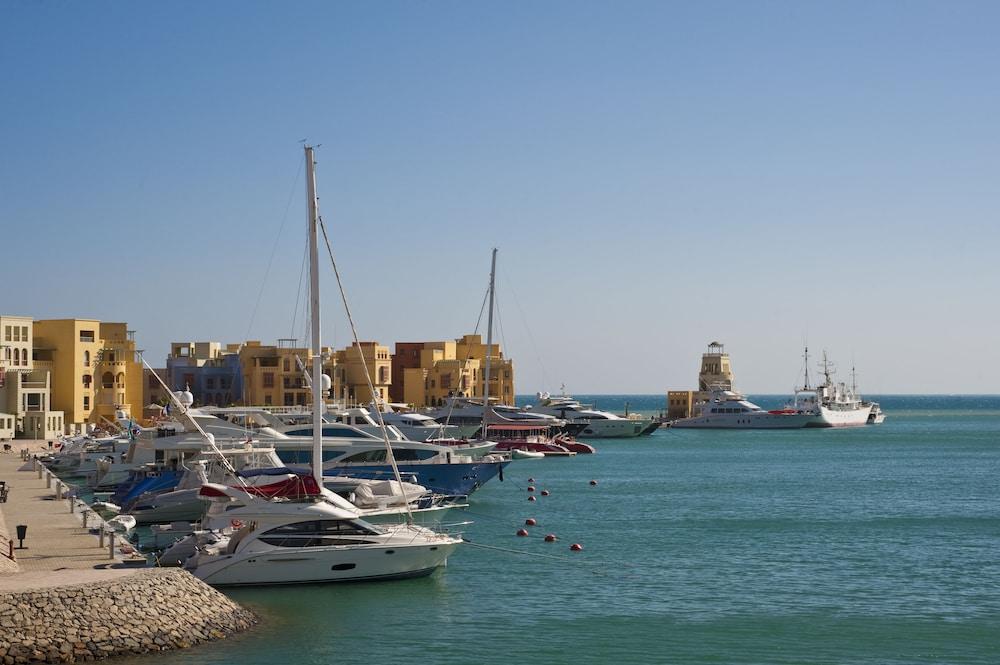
column 656, row 175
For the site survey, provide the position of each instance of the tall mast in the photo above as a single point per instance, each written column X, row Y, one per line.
column 317, row 356
column 489, row 344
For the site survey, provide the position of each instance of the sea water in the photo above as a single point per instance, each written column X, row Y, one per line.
column 870, row 545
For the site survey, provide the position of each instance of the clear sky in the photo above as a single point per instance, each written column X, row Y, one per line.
column 656, row 176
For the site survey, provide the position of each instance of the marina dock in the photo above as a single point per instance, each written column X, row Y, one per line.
column 65, row 598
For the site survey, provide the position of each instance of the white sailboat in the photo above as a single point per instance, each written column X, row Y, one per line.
column 313, row 536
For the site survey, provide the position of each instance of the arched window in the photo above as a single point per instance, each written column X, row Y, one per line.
column 120, row 379
column 17, row 356
column 86, row 381
column 107, row 380
column 86, row 358
column 383, row 374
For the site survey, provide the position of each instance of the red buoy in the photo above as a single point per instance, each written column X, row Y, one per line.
column 522, row 532
column 531, row 488
column 530, row 521
column 531, row 497
column 593, row 482
column 545, row 492
column 550, row 538
column 576, row 547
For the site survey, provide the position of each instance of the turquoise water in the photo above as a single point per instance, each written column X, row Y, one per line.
column 870, row 545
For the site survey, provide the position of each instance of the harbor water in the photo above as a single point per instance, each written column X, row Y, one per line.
column 870, row 545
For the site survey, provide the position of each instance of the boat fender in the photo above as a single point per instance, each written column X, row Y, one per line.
column 500, row 471
column 236, row 524
column 550, row 538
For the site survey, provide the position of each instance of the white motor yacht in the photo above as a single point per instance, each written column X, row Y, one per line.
column 728, row 409
column 600, row 424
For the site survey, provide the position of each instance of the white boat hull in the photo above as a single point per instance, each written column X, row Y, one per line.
column 303, row 565
column 613, row 429
column 841, row 417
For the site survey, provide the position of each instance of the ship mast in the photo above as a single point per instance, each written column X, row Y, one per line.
column 317, row 355
column 489, row 346
column 806, row 386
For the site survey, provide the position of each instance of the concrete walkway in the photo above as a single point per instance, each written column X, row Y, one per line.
column 58, row 550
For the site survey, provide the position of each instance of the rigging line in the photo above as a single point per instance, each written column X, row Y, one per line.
column 531, row 338
column 184, row 411
column 274, row 249
column 465, row 363
column 298, row 291
column 364, row 365
column 503, row 342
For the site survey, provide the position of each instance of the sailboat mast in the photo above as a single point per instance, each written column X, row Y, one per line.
column 489, row 345
column 317, row 356
column 806, row 386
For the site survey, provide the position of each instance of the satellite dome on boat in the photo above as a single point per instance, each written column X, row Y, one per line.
column 184, row 397
column 326, row 383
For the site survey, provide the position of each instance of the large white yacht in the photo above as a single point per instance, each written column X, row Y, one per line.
column 728, row 409
column 601, row 424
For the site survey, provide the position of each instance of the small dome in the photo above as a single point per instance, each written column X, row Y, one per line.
column 325, row 383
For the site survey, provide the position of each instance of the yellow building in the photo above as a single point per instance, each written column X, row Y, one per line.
column 347, row 370
column 452, row 368
column 25, row 384
column 94, row 369
column 272, row 375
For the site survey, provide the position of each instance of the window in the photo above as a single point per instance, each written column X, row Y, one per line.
column 86, row 335
column 24, row 333
column 17, row 333
column 86, row 402
column 286, row 366
column 6, row 333
column 86, row 358
column 17, row 356
column 111, row 356
column 268, row 379
column 87, row 379
column 107, row 380
column 210, row 383
column 267, row 399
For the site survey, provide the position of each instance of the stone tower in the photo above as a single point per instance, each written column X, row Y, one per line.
column 715, row 369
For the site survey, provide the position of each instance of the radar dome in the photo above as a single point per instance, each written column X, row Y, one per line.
column 325, row 383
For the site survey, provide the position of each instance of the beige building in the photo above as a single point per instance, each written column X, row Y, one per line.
column 440, row 369
column 716, row 372
column 94, row 369
column 25, row 384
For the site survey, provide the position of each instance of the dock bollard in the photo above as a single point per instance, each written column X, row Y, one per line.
column 48, row 479
column 111, row 544
column 58, row 490
column 72, row 505
column 85, row 514
column 38, row 468
column 100, row 535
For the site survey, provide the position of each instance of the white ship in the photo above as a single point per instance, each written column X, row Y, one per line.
column 834, row 404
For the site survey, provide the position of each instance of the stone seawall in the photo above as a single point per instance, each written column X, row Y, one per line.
column 151, row 610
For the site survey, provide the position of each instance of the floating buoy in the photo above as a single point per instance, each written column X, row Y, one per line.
column 531, row 480
column 545, row 492
column 593, row 482
column 551, row 538
column 531, row 498
column 530, row 521
column 531, row 488
column 522, row 532
column 576, row 547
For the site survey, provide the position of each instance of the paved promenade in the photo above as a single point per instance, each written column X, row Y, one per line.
column 58, row 550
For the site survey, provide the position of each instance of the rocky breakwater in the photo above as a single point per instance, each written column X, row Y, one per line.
column 150, row 610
